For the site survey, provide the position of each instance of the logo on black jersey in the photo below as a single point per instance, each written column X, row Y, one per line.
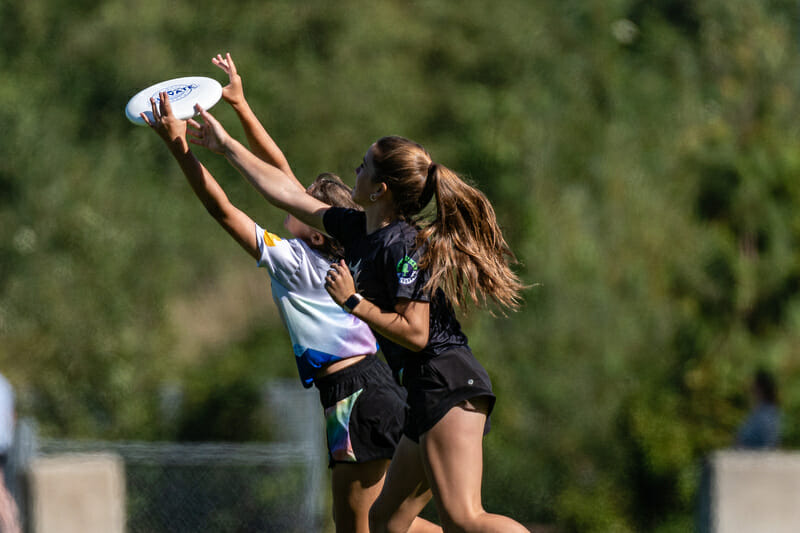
column 407, row 270
column 356, row 270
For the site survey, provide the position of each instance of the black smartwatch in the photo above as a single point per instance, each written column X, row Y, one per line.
column 352, row 302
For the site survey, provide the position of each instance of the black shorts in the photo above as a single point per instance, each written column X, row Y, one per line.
column 438, row 384
column 364, row 412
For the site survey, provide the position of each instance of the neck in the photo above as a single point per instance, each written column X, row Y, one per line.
column 378, row 217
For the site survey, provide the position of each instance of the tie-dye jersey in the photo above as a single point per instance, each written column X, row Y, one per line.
column 320, row 330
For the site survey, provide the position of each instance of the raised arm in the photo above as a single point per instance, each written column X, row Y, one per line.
column 260, row 142
column 275, row 185
column 173, row 131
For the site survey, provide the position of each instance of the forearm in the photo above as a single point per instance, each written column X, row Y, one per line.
column 261, row 143
column 201, row 181
column 275, row 186
column 396, row 327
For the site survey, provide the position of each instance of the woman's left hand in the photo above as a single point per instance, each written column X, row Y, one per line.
column 339, row 282
column 233, row 93
column 164, row 122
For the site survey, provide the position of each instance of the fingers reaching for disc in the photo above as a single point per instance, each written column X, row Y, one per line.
column 163, row 121
column 209, row 133
column 225, row 63
column 146, row 119
column 166, row 107
column 233, row 93
column 159, row 109
column 197, row 128
column 154, row 112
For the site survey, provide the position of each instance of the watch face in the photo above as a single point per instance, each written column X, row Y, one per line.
column 351, row 302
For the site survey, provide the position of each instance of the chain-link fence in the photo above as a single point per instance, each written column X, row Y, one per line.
column 217, row 487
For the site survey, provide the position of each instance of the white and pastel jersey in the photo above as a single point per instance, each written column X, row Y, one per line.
column 6, row 415
column 320, row 330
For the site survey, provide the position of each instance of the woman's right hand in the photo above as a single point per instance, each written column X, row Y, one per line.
column 233, row 93
column 209, row 133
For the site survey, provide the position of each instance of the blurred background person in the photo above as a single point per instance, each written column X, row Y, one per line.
column 9, row 514
column 762, row 427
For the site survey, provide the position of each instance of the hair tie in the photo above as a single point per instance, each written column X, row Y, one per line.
column 429, row 188
column 431, row 168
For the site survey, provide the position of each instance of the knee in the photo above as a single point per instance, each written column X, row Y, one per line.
column 463, row 522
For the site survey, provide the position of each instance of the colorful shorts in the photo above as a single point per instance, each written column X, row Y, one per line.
column 364, row 412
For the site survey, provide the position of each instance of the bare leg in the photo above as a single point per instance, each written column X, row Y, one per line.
column 405, row 493
column 452, row 452
column 9, row 514
column 355, row 488
column 420, row 525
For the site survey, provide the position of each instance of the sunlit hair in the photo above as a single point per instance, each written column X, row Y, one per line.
column 330, row 188
column 466, row 255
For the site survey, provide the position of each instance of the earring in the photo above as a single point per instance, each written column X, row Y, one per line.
column 373, row 196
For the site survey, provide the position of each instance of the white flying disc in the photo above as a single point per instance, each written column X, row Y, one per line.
column 183, row 93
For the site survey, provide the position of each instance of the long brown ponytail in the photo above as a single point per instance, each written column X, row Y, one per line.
column 467, row 255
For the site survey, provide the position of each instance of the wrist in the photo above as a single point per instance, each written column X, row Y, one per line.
column 177, row 143
column 239, row 105
column 229, row 148
column 351, row 303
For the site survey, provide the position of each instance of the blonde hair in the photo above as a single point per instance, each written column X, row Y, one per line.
column 330, row 188
column 465, row 251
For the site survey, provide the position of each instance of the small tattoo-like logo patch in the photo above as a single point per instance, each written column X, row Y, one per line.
column 407, row 270
column 356, row 270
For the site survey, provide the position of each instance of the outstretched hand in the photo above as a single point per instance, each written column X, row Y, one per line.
column 339, row 282
column 233, row 93
column 164, row 122
column 209, row 133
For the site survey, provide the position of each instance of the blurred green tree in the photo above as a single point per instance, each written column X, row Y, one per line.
column 642, row 158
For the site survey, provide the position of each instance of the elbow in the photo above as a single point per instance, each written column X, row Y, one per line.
column 416, row 347
column 417, row 341
column 215, row 210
